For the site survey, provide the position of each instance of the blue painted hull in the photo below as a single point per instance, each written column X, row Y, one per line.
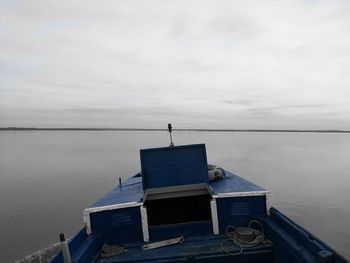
column 155, row 205
column 291, row 244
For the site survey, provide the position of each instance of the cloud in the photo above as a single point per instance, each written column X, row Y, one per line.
column 254, row 64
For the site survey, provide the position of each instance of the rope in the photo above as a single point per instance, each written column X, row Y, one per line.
column 232, row 236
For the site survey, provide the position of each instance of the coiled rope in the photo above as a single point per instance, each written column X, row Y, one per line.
column 233, row 236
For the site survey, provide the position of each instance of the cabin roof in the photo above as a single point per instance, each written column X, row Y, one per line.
column 131, row 190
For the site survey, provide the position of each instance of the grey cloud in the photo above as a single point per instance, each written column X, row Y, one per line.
column 200, row 63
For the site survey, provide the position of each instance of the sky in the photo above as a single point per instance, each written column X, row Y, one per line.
column 197, row 64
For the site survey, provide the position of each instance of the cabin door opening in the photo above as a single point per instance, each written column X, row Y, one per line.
column 178, row 210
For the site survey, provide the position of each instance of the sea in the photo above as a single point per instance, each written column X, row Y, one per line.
column 47, row 178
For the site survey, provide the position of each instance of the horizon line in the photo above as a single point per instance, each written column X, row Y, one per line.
column 174, row 129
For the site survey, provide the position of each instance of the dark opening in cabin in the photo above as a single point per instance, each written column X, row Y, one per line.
column 178, row 210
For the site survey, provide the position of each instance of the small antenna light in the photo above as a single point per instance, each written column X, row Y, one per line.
column 171, row 137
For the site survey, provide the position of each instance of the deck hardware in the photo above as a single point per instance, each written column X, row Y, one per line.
column 325, row 256
column 163, row 243
column 215, row 173
column 171, row 137
column 108, row 251
column 245, row 237
column 65, row 249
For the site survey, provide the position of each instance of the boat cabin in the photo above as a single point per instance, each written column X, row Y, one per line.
column 173, row 196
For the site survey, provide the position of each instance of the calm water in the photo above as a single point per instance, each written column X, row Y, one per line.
column 47, row 178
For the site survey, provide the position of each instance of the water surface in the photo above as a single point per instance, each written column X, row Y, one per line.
column 48, row 177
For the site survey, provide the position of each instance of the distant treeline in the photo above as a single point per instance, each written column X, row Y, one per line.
column 156, row 129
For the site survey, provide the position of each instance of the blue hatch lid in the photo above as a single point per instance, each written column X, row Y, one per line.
column 171, row 166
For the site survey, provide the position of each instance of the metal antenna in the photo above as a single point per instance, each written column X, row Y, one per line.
column 171, row 137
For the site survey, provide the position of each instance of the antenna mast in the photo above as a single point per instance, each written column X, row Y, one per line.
column 171, row 137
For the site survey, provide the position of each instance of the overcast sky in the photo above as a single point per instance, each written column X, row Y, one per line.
column 197, row 64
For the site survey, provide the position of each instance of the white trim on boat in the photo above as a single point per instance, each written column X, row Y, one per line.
column 87, row 222
column 144, row 222
column 268, row 202
column 88, row 211
column 214, row 216
column 112, row 207
column 241, row 194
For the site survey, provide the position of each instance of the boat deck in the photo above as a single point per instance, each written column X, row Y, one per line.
column 193, row 249
column 174, row 198
column 131, row 191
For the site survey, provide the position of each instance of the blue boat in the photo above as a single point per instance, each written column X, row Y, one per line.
column 180, row 209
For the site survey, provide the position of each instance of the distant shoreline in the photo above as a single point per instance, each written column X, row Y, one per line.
column 155, row 129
